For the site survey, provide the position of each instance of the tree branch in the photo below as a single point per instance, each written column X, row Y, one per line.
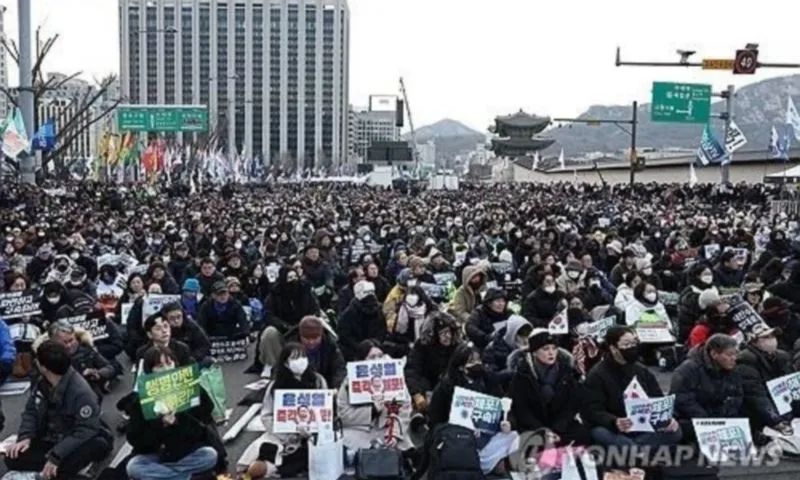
column 11, row 97
column 11, row 48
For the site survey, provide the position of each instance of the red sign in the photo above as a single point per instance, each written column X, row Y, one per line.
column 746, row 62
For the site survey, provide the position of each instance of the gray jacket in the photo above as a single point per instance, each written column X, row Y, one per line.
column 67, row 413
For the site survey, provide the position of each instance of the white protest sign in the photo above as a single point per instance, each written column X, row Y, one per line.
column 559, row 325
column 476, row 411
column 376, row 380
column 650, row 414
column 723, row 439
column 124, row 312
column 310, row 409
column 152, row 303
column 734, row 139
column 596, row 330
column 784, row 390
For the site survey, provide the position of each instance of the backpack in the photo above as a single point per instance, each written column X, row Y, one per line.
column 451, row 453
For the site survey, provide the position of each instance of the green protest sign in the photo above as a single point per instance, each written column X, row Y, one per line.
column 172, row 391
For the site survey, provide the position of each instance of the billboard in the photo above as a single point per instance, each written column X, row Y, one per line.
column 382, row 103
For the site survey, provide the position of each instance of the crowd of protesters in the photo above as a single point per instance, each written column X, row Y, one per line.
column 464, row 285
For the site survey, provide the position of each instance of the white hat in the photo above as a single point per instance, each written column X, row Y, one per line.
column 363, row 289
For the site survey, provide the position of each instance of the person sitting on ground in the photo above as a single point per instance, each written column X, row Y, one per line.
column 465, row 370
column 159, row 334
column 223, row 316
column 61, row 431
column 174, row 445
column 505, row 352
column 466, row 297
column 187, row 331
column 714, row 319
column 491, row 315
column 362, row 320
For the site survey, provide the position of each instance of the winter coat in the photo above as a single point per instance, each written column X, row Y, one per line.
column 703, row 390
column 465, row 298
column 442, row 398
column 229, row 323
column 605, row 386
column 195, row 338
column 689, row 311
column 359, row 322
column 180, row 349
column 540, row 307
column 328, row 360
column 362, row 426
column 483, row 322
column 624, row 297
column 288, row 304
column 727, row 278
column 426, row 362
column 756, row 368
column 501, row 357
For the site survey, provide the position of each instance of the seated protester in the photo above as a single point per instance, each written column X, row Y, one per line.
column 570, row 279
column 320, row 347
column 466, row 371
column 290, row 301
column 713, row 320
column 54, row 297
column 187, row 331
column 429, row 357
column 235, row 288
column 646, row 306
column 79, row 281
column 345, row 294
column 488, row 317
column 594, row 292
column 382, row 287
column 729, row 273
column 701, row 278
column 708, row 385
column 466, row 297
column 61, row 432
column 760, row 361
column 362, row 320
column 776, row 313
column 222, row 316
column 546, row 393
column 504, row 353
column 190, row 298
column 368, row 423
column 545, row 302
column 625, row 290
column 175, row 445
column 86, row 360
column 136, row 335
column 392, row 303
column 786, row 286
column 293, row 370
column 159, row 334
column 604, row 411
column 753, row 294
column 414, row 308
column 645, row 267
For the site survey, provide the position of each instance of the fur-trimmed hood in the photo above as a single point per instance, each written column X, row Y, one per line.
column 83, row 336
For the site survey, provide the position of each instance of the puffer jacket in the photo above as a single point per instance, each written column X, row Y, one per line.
column 465, row 299
column 756, row 368
column 703, row 390
column 689, row 311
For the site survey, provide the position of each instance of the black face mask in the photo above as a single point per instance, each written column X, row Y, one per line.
column 475, row 371
column 630, row 354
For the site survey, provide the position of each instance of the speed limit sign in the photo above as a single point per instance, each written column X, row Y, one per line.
column 746, row 62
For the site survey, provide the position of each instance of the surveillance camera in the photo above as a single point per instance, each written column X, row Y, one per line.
column 751, row 46
column 685, row 54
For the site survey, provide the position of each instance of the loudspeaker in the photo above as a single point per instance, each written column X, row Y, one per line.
column 399, row 113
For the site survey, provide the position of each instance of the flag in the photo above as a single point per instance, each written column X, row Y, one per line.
column 779, row 143
column 561, row 158
column 536, row 160
column 15, row 137
column 45, row 138
column 710, row 150
column 793, row 118
column 735, row 138
column 692, row 175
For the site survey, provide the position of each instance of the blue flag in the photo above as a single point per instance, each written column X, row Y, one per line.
column 45, row 138
column 710, row 150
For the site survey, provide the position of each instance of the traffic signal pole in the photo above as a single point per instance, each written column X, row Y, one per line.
column 745, row 63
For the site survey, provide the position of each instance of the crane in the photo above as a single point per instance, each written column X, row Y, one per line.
column 410, row 125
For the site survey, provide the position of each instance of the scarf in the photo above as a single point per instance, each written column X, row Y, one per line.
column 585, row 348
column 548, row 376
column 408, row 314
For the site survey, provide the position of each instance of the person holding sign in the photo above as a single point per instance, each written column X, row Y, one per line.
column 465, row 370
column 488, row 317
column 365, row 423
column 546, row 393
column 174, row 445
column 715, row 319
column 606, row 384
column 61, row 431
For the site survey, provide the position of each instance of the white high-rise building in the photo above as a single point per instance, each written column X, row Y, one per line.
column 274, row 73
column 368, row 126
column 4, row 103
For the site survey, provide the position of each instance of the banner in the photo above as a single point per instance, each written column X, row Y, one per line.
column 226, row 350
column 597, row 330
column 310, row 409
column 735, row 139
column 173, row 391
column 18, row 304
column 434, row 291
column 152, row 303
column 445, row 278
column 94, row 323
column 559, row 324
column 650, row 414
column 784, row 390
column 477, row 411
column 710, row 150
column 743, row 314
column 502, row 267
column 376, row 381
column 723, row 439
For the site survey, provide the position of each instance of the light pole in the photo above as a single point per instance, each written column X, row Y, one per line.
column 27, row 163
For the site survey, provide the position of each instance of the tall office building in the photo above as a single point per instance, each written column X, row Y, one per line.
column 274, row 73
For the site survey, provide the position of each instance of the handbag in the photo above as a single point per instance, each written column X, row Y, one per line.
column 379, row 464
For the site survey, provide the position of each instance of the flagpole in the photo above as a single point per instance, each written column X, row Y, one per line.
column 27, row 162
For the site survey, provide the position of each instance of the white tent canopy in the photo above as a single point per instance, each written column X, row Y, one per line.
column 791, row 175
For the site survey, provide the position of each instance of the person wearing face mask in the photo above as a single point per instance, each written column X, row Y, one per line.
column 174, row 445
column 286, row 246
column 88, row 264
column 79, row 282
column 179, row 262
column 488, row 317
column 411, row 315
column 645, row 267
column 545, row 302
column 54, row 297
column 570, row 279
column 40, row 263
column 465, row 370
column 689, row 310
column 367, row 423
column 503, row 354
column 361, row 320
column 714, row 319
column 465, row 298
column 604, row 410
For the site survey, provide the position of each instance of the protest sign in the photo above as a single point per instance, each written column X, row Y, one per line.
column 476, row 411
column 711, row 250
column 376, row 380
column 652, row 325
column 784, row 390
column 173, row 391
column 596, row 330
column 433, row 290
column 124, row 312
column 152, row 303
column 94, row 323
column 18, row 304
column 723, row 439
column 650, row 414
column 502, row 267
column 743, row 314
column 445, row 278
column 311, row 409
column 225, row 349
column 559, row 324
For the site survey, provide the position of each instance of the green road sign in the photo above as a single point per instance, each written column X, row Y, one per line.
column 681, row 102
column 162, row 118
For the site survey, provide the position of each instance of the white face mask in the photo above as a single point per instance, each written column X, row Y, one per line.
column 550, row 288
column 651, row 297
column 412, row 299
column 573, row 274
column 237, row 245
column 707, row 279
column 647, row 271
column 74, row 255
column 53, row 300
column 163, row 368
column 298, row 365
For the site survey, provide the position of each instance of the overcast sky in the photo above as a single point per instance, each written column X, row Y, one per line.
column 466, row 61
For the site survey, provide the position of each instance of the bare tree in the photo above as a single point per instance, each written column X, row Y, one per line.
column 78, row 111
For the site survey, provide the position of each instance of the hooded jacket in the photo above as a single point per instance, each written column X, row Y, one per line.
column 484, row 321
column 704, row 390
column 501, row 355
column 466, row 299
column 756, row 368
column 428, row 359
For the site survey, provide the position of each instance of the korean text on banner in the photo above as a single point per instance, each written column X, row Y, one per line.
column 310, row 409
column 152, row 303
column 173, row 391
column 784, row 390
column 476, row 411
column 724, row 439
column 376, row 381
column 18, row 304
column 650, row 414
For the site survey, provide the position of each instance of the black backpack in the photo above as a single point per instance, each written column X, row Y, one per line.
column 451, row 453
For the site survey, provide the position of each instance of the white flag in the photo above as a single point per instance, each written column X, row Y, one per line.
column 692, row 175
column 561, row 158
column 735, row 138
column 536, row 160
column 793, row 118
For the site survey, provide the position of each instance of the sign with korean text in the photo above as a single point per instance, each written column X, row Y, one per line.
column 311, row 410
column 152, row 303
column 718, row 64
column 434, row 291
column 477, row 411
column 18, row 304
column 94, row 323
column 173, row 391
column 652, row 324
column 596, row 330
column 376, row 381
column 681, row 102
column 162, row 118
column 226, row 350
column 650, row 414
column 723, row 439
column 445, row 278
column 743, row 314
column 784, row 390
